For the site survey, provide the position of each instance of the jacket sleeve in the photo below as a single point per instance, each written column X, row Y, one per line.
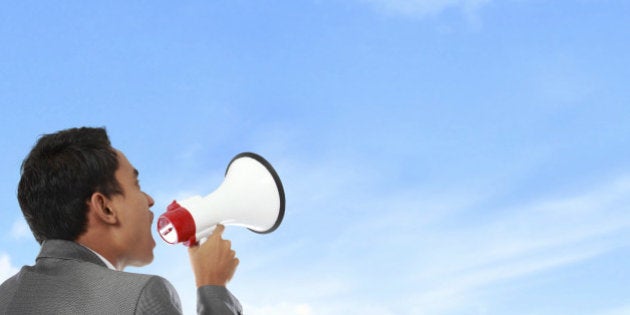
column 217, row 300
column 158, row 297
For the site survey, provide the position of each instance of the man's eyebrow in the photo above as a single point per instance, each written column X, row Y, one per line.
column 135, row 172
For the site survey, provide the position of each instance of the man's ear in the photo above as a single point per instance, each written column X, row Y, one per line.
column 99, row 205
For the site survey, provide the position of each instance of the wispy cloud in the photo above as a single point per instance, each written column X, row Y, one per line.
column 454, row 264
column 282, row 308
column 621, row 310
column 457, row 291
column 20, row 230
column 6, row 269
column 448, row 246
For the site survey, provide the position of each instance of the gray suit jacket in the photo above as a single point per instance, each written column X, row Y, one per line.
column 68, row 278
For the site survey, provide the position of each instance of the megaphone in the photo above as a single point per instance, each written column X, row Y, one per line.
column 251, row 196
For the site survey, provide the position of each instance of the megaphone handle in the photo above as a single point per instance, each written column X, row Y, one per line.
column 202, row 236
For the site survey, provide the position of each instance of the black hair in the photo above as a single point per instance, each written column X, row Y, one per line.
column 59, row 176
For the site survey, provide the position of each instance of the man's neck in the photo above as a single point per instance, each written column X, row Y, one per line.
column 105, row 261
column 105, row 253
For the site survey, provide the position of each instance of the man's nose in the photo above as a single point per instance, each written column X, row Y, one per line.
column 150, row 200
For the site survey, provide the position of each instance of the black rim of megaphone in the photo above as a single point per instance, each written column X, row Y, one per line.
column 276, row 178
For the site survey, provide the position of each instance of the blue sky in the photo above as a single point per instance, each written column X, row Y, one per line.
column 438, row 157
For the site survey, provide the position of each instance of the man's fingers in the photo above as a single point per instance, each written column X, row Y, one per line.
column 218, row 230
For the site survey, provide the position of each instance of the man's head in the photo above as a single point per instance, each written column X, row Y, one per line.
column 58, row 177
column 75, row 186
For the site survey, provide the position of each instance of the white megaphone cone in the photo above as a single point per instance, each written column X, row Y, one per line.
column 251, row 196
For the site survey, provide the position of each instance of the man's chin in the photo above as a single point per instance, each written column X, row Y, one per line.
column 147, row 258
column 144, row 261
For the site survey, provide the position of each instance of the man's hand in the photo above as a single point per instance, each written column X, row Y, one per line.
column 213, row 262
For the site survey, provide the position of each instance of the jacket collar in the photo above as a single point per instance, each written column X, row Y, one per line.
column 69, row 250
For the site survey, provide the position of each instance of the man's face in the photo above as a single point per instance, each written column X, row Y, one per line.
column 132, row 206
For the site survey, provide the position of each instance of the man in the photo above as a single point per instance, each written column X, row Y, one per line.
column 83, row 203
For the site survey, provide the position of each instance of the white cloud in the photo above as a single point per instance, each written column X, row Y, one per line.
column 20, row 230
column 621, row 310
column 448, row 246
column 422, row 8
column 6, row 269
column 281, row 308
column 459, row 262
column 463, row 285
